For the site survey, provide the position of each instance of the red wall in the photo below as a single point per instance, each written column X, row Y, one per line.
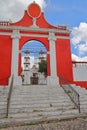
column 5, row 59
column 64, row 62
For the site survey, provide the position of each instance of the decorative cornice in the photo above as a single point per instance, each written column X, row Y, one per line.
column 27, row 29
column 34, row 35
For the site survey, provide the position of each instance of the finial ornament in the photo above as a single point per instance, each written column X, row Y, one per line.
column 34, row 11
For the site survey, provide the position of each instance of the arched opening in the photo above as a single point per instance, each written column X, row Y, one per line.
column 34, row 63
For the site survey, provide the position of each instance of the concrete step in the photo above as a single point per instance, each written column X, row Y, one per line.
column 31, row 98
column 40, row 100
column 41, row 105
column 50, row 107
column 83, row 98
column 3, row 100
column 2, row 115
column 41, row 114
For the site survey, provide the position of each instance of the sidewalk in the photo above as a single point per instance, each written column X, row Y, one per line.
column 67, row 120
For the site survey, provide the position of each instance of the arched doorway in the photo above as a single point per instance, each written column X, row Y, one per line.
column 34, row 63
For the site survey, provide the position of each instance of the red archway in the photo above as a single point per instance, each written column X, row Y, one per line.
column 44, row 42
column 55, row 39
column 34, row 54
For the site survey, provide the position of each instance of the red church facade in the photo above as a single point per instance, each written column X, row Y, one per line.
column 33, row 26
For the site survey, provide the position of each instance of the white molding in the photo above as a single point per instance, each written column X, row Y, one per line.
column 21, row 28
column 15, row 51
column 52, row 36
column 34, row 35
column 52, row 47
column 14, row 62
column 15, row 34
column 5, row 33
column 53, row 79
column 34, row 23
column 62, row 37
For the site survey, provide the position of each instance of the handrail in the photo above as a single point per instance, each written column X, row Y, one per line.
column 9, row 95
column 74, row 96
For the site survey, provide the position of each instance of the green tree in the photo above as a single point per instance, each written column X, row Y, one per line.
column 43, row 67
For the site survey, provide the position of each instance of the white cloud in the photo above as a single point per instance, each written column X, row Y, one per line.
column 79, row 38
column 79, row 33
column 77, row 58
column 14, row 9
column 82, row 48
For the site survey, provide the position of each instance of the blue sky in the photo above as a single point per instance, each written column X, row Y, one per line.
column 57, row 12
column 74, row 14
column 70, row 12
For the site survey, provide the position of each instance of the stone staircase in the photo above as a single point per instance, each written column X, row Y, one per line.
column 3, row 100
column 40, row 102
column 83, row 98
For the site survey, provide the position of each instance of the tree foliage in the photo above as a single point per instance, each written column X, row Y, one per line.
column 43, row 67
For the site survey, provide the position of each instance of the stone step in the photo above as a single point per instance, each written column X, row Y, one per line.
column 41, row 105
column 35, row 101
column 2, row 115
column 3, row 101
column 22, row 98
column 83, row 98
column 3, row 111
column 3, row 106
column 40, row 109
column 30, row 89
column 41, row 114
column 79, row 88
column 41, row 101
column 39, row 95
column 83, row 101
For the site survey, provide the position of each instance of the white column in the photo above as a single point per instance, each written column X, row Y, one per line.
column 14, row 62
column 53, row 79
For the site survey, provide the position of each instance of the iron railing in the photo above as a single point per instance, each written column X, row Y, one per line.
column 9, row 95
column 74, row 96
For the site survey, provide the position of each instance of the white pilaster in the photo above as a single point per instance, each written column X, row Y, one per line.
column 14, row 62
column 53, row 79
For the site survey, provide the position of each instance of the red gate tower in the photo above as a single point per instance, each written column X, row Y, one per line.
column 33, row 26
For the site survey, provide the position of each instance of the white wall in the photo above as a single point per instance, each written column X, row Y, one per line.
column 80, row 72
